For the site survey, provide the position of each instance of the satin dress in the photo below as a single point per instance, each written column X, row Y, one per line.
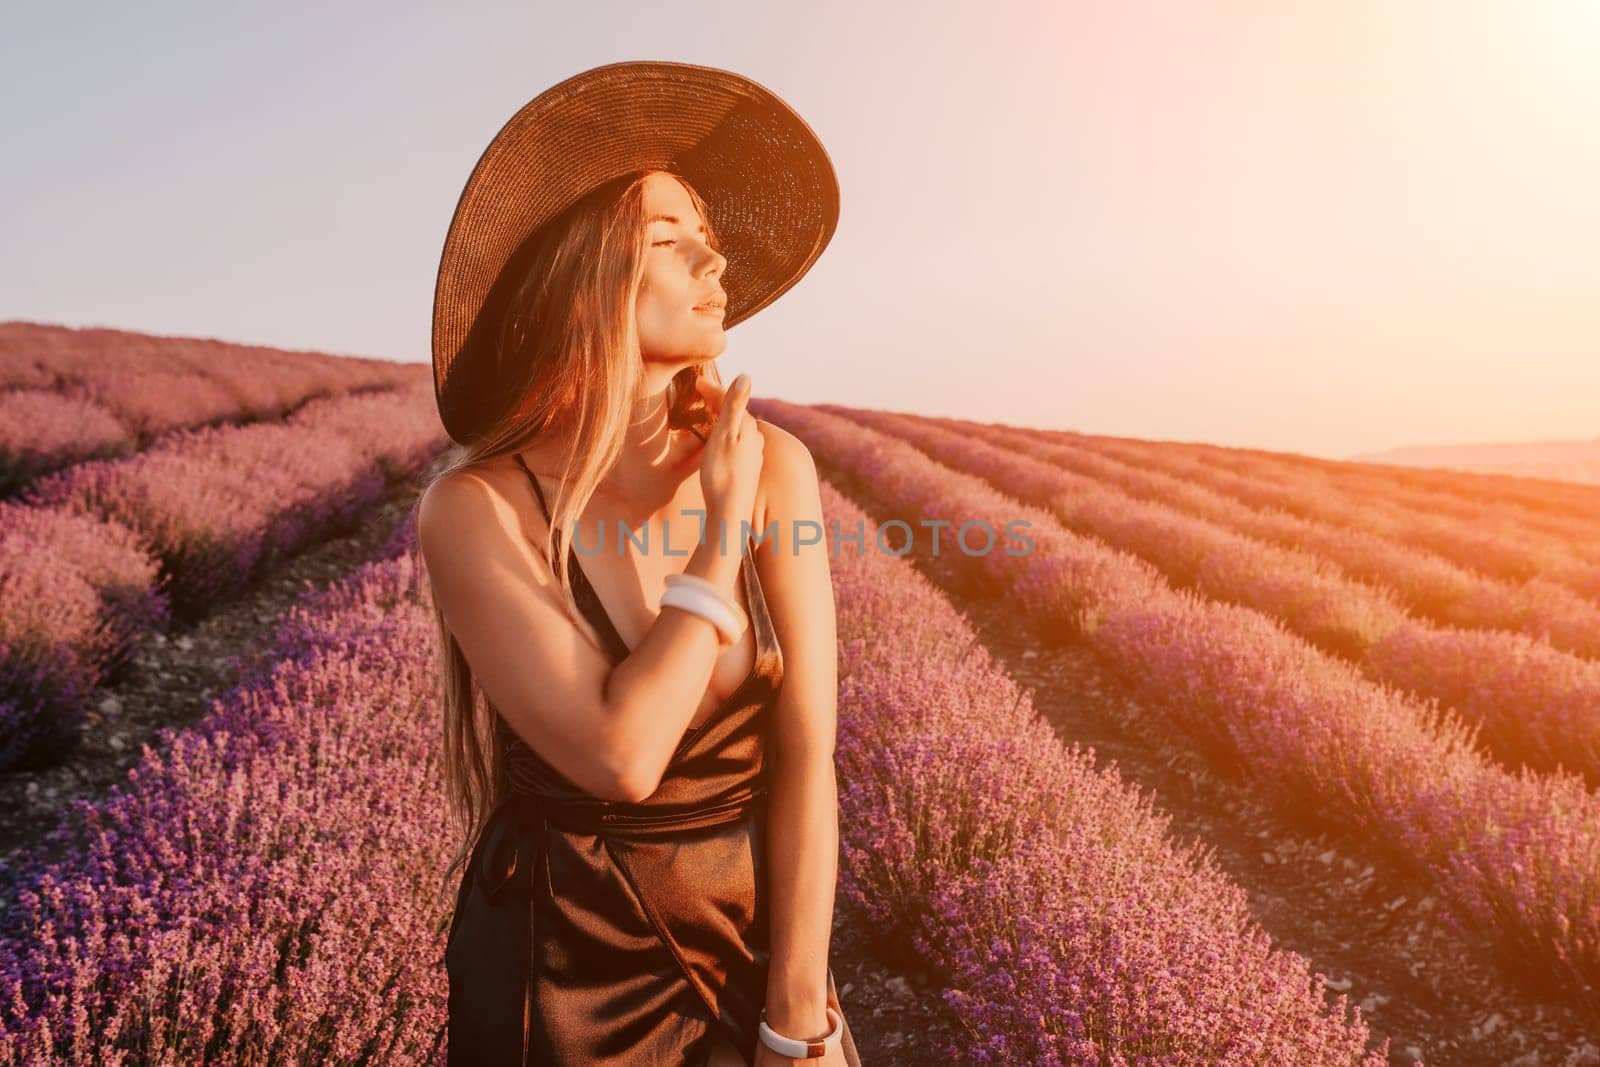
column 589, row 931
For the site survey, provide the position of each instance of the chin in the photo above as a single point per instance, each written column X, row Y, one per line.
column 696, row 348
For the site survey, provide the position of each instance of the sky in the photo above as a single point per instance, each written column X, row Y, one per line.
column 1327, row 228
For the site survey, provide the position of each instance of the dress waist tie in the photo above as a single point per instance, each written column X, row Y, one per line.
column 489, row 949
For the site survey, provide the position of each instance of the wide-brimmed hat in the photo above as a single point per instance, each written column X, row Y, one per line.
column 767, row 182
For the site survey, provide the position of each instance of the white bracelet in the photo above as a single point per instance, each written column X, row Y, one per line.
column 803, row 1050
column 689, row 581
column 697, row 602
column 727, row 618
column 693, row 582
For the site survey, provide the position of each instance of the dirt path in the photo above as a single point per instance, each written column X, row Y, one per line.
column 1372, row 934
column 171, row 682
column 893, row 1005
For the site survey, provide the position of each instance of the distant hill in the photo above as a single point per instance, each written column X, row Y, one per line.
column 1568, row 461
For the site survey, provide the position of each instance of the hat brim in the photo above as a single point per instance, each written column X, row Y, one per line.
column 766, row 179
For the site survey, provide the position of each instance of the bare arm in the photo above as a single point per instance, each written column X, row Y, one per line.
column 607, row 730
column 803, row 803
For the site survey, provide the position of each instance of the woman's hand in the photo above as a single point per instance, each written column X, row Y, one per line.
column 730, row 467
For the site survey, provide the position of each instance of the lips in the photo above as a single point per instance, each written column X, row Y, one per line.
column 719, row 303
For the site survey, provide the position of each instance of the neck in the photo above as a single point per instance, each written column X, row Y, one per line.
column 654, row 459
column 653, row 455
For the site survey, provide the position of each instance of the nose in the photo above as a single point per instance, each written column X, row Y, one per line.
column 716, row 262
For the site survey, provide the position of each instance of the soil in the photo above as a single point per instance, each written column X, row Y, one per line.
column 1332, row 901
column 893, row 1006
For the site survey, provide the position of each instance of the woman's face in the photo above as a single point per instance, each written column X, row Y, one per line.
column 681, row 272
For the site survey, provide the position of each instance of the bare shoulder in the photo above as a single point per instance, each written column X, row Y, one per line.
column 788, row 473
column 471, row 506
column 469, row 495
column 791, row 491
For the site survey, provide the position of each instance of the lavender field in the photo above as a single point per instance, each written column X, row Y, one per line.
column 1249, row 760
column 95, row 554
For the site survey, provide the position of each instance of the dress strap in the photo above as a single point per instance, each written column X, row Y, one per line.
column 589, row 601
column 537, row 491
column 583, row 593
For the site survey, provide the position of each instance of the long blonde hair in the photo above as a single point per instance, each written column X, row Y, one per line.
column 567, row 362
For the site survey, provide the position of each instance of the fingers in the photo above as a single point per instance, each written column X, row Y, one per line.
column 738, row 396
column 731, row 419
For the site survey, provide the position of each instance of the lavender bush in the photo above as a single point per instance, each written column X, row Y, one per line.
column 41, row 430
column 75, row 594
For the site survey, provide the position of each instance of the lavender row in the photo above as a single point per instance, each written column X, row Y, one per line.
column 1067, row 925
column 218, row 504
column 1563, row 513
column 1515, row 857
column 75, row 594
column 1531, row 704
column 1543, row 554
column 67, row 395
column 266, row 886
column 1537, row 500
column 1294, row 515
column 213, row 508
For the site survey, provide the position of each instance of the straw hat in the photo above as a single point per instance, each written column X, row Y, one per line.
column 767, row 182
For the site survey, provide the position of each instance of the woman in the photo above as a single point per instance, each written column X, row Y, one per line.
column 646, row 789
